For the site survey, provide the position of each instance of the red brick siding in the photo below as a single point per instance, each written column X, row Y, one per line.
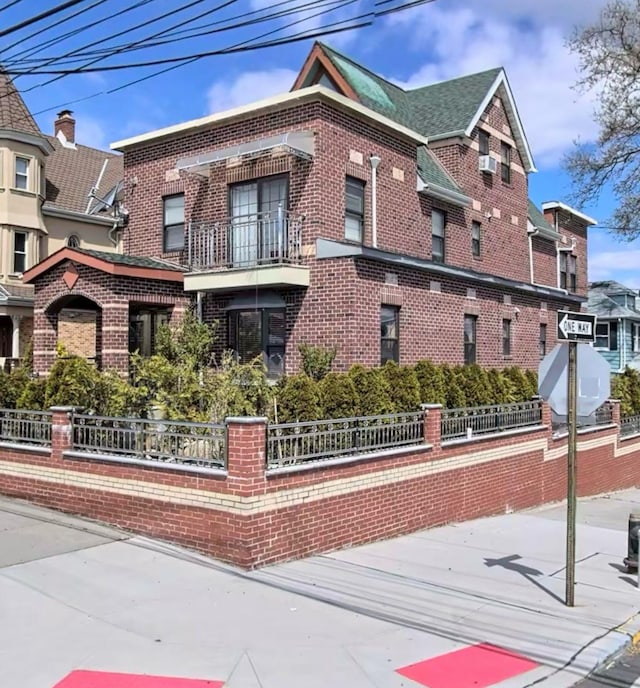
column 572, row 228
column 545, row 261
column 330, row 522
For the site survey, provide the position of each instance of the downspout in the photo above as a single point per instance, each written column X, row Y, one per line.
column 375, row 161
column 531, row 235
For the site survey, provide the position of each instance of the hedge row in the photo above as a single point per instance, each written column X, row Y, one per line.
column 626, row 387
column 396, row 389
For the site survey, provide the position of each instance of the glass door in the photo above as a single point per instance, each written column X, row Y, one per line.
column 258, row 221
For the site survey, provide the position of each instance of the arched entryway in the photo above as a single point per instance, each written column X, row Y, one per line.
column 78, row 321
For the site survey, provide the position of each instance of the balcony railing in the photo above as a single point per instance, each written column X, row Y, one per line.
column 248, row 241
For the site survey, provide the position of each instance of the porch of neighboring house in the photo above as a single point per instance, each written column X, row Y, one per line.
column 102, row 307
column 16, row 323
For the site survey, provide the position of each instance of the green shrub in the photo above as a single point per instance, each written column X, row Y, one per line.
column 236, row 389
column 190, row 343
column 626, row 387
column 114, row 396
column 532, row 379
column 316, row 360
column 431, row 382
column 338, row 396
column 71, row 382
column 474, row 383
column 455, row 394
column 373, row 390
column 502, row 389
column 522, row 386
column 297, row 399
column 33, row 395
column 12, row 386
column 403, row 387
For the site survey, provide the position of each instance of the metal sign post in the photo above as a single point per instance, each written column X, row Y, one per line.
column 572, row 397
column 573, row 327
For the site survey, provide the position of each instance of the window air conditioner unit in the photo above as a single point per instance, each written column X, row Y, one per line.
column 488, row 164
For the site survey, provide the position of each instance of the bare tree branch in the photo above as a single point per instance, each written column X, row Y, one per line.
column 609, row 56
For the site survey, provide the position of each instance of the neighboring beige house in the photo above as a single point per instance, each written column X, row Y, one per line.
column 54, row 193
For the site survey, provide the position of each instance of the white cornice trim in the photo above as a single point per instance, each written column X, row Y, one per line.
column 559, row 205
column 282, row 100
column 78, row 217
column 28, row 138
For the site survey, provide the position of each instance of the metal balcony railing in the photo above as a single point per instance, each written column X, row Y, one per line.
column 268, row 238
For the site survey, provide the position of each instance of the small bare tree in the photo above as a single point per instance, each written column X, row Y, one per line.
column 609, row 55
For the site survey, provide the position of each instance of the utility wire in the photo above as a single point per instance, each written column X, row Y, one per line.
column 38, row 17
column 173, row 36
column 57, row 39
column 327, row 30
column 9, row 4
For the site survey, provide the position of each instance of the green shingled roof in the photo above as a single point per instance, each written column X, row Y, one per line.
column 537, row 218
column 133, row 261
column 432, row 172
column 444, row 108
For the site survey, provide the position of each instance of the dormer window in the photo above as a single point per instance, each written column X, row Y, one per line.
column 22, row 173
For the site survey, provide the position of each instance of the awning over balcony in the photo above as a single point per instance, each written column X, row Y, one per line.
column 298, row 143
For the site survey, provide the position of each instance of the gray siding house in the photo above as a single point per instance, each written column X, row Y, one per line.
column 618, row 328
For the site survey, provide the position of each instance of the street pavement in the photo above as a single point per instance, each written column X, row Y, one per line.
column 463, row 606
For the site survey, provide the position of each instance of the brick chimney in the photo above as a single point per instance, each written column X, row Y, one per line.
column 66, row 124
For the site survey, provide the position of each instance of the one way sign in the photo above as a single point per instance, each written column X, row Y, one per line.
column 576, row 327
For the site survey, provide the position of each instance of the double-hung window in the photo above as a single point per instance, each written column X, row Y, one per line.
column 506, row 337
column 173, row 233
column 568, row 271
column 19, row 252
column 354, row 210
column 607, row 336
column 505, row 162
column 389, row 334
column 470, row 330
column 476, row 229
column 636, row 337
column 438, row 230
column 22, row 173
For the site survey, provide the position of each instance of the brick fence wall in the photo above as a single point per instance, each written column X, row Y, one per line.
column 252, row 516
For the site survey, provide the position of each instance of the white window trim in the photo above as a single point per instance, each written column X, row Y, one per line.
column 29, row 175
column 635, row 342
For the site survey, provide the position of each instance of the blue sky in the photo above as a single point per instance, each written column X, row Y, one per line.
column 439, row 40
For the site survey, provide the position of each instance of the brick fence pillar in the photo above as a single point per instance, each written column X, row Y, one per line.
column 246, row 454
column 432, row 424
column 615, row 411
column 61, row 431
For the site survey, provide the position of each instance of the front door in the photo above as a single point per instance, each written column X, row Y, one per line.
column 6, row 336
column 257, row 221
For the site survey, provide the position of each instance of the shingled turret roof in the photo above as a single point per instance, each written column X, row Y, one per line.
column 14, row 114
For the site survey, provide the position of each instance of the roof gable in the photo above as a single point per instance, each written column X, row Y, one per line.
column 110, row 263
column 14, row 114
column 437, row 111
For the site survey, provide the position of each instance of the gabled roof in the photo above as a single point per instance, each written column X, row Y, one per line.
column 111, row 263
column 437, row 111
column 437, row 181
column 14, row 114
column 540, row 224
column 73, row 172
column 601, row 303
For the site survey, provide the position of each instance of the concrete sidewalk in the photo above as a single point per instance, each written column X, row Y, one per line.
column 78, row 596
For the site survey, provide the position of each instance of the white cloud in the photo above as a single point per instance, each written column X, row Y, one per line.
column 248, row 87
column 621, row 265
column 541, row 71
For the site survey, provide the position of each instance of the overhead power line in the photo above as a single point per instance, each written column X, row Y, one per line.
column 39, row 17
column 9, row 4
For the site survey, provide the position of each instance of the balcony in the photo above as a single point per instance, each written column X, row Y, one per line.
column 258, row 250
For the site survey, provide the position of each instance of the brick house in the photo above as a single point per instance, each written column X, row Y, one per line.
column 391, row 224
column 54, row 192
